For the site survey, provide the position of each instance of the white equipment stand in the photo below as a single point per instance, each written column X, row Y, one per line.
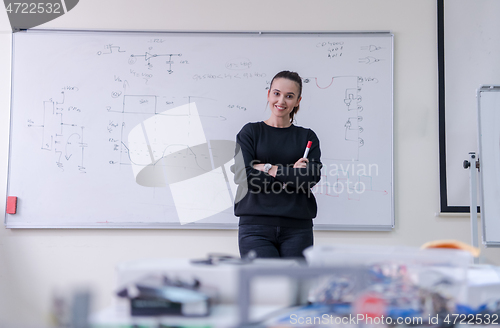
column 473, row 165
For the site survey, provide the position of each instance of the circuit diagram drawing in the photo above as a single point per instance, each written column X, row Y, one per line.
column 371, row 48
column 370, row 59
column 353, row 128
column 151, row 57
column 147, row 58
column 109, row 49
column 343, row 136
column 163, row 141
column 161, row 108
column 60, row 132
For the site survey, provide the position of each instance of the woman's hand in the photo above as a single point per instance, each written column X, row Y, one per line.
column 301, row 163
column 259, row 167
column 272, row 171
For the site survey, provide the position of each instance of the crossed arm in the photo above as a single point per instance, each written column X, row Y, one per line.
column 301, row 163
column 250, row 171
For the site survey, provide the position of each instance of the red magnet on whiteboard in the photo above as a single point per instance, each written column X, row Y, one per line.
column 11, row 205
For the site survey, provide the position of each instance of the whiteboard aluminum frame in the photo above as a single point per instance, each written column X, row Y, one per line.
column 211, row 226
column 485, row 211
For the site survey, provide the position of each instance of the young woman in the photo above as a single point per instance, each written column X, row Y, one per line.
column 274, row 201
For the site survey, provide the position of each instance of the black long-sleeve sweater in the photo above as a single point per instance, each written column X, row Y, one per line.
column 261, row 198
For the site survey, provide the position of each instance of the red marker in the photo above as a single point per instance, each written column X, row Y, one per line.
column 306, row 152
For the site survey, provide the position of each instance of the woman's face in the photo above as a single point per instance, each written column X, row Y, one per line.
column 283, row 96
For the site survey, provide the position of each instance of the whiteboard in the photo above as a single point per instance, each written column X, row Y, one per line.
column 489, row 158
column 469, row 58
column 100, row 122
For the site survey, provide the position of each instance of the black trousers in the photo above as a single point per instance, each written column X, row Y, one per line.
column 271, row 241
